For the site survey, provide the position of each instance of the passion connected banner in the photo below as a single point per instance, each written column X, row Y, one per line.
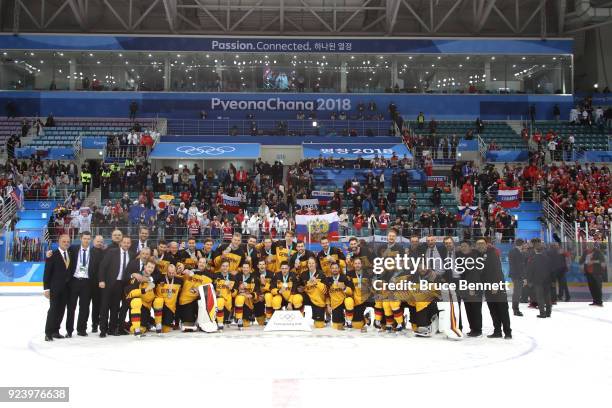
column 79, row 42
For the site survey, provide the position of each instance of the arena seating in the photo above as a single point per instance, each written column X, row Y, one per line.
column 505, row 137
column 586, row 137
column 9, row 127
column 67, row 130
column 212, row 127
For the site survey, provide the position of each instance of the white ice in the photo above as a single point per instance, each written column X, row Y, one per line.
column 563, row 361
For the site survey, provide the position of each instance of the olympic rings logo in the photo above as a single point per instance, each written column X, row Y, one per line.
column 205, row 150
column 44, row 204
column 287, row 316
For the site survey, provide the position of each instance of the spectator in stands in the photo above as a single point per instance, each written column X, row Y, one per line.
column 479, row 126
column 50, row 121
column 133, row 110
column 421, row 120
column 556, row 112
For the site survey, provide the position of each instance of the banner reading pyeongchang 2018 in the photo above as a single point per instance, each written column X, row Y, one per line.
column 353, row 151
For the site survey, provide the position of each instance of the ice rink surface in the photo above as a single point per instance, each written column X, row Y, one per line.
column 563, row 361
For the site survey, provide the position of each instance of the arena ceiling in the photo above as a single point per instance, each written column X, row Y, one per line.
column 514, row 18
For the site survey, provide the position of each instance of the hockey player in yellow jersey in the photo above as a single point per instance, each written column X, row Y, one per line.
column 314, row 291
column 263, row 302
column 283, row 249
column 330, row 255
column 265, row 251
column 284, row 290
column 299, row 260
column 141, row 295
column 227, row 289
column 251, row 253
column 248, row 288
column 188, row 298
column 392, row 308
column 208, row 254
column 168, row 288
column 355, row 250
column 362, row 295
column 232, row 252
column 339, row 288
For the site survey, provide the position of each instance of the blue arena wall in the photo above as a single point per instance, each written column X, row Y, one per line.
column 180, row 105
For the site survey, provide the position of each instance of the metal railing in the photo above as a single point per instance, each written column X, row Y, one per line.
column 554, row 214
column 306, row 127
column 8, row 209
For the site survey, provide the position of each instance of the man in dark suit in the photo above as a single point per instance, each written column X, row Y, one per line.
column 143, row 240
column 112, row 277
column 539, row 276
column 517, row 261
column 81, row 273
column 55, row 284
column 497, row 300
column 472, row 299
column 97, row 253
column 594, row 268
column 434, row 256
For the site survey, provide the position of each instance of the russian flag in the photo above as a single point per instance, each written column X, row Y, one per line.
column 17, row 196
column 231, row 204
column 323, row 196
column 509, row 198
column 316, row 227
column 461, row 209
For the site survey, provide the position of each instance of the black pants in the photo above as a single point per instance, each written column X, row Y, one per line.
column 563, row 289
column 473, row 310
column 500, row 316
column 595, row 283
column 423, row 317
column 79, row 290
column 517, row 291
column 543, row 297
column 112, row 305
column 57, row 305
column 96, row 300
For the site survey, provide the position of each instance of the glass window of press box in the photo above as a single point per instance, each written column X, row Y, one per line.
column 359, row 73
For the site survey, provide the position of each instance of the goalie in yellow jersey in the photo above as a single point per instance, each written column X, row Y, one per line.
column 142, row 297
column 188, row 298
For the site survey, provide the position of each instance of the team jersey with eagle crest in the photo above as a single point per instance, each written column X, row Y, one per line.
column 362, row 286
column 366, row 256
column 136, row 289
column 290, row 282
column 282, row 252
column 226, row 285
column 191, row 283
column 169, row 289
column 267, row 255
column 333, row 255
column 303, row 259
column 248, row 285
column 265, row 286
column 336, row 293
column 235, row 256
column 317, row 290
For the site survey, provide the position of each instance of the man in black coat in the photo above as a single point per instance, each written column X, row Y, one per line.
column 472, row 298
column 497, row 300
column 142, row 241
column 594, row 268
column 539, row 276
column 97, row 253
column 112, row 277
column 81, row 274
column 517, row 261
column 55, row 285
